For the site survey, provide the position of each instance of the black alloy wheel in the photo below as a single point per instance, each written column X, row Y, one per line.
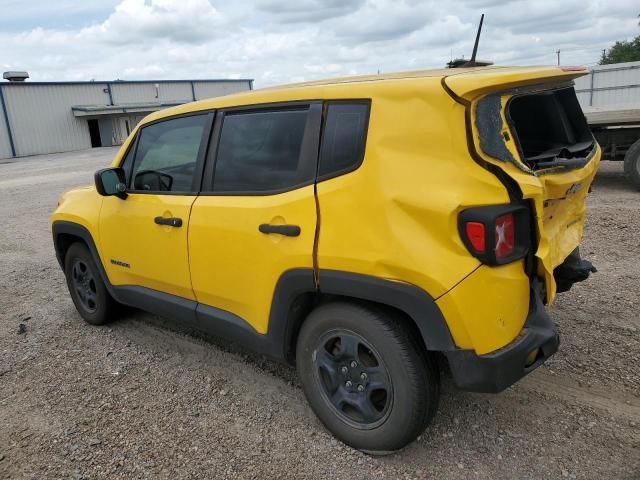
column 88, row 291
column 366, row 375
column 85, row 285
column 354, row 378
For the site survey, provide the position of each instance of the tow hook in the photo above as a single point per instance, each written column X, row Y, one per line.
column 574, row 269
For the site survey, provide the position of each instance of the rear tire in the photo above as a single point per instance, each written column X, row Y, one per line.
column 88, row 291
column 366, row 377
column 632, row 164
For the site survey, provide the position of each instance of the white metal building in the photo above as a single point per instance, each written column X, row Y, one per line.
column 51, row 117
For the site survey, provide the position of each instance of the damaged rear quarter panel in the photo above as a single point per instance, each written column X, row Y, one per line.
column 558, row 195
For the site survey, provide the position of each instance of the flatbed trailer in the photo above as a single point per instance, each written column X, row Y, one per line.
column 610, row 99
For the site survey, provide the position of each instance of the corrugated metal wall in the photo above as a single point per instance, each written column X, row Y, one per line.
column 42, row 121
column 207, row 89
column 5, row 146
column 41, row 118
column 146, row 92
column 610, row 85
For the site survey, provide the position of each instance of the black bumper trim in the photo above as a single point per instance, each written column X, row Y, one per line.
column 498, row 370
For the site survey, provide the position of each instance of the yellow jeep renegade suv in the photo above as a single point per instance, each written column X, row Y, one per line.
column 357, row 228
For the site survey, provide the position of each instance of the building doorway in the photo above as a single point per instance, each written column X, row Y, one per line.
column 123, row 126
column 94, row 133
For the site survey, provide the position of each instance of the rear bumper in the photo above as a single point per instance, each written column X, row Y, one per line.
column 498, row 370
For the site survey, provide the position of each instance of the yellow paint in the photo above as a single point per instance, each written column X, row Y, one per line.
column 487, row 310
column 395, row 217
column 80, row 205
column 157, row 254
column 235, row 267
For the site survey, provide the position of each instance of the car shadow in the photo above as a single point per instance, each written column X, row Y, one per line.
column 465, row 422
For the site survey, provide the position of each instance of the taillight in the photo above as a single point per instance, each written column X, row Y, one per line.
column 505, row 235
column 496, row 234
column 475, row 234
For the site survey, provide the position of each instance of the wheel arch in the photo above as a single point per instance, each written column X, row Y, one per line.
column 65, row 234
column 296, row 296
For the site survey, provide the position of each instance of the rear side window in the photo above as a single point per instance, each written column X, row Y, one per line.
column 261, row 151
column 167, row 154
column 343, row 138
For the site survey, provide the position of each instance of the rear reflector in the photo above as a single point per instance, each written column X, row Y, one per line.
column 475, row 234
column 505, row 235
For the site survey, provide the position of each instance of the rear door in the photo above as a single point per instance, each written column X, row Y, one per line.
column 144, row 237
column 256, row 215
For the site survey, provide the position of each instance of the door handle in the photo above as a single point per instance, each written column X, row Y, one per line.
column 287, row 230
column 170, row 221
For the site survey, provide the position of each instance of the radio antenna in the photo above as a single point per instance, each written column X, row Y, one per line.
column 472, row 61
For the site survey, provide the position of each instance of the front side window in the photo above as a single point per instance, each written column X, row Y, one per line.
column 167, row 154
column 261, row 151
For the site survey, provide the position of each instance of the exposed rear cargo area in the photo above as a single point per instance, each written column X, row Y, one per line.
column 550, row 128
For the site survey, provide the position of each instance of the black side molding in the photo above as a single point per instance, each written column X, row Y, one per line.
column 293, row 296
column 199, row 317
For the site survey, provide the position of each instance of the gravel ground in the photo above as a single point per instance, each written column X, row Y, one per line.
column 135, row 400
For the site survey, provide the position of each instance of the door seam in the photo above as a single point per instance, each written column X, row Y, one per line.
column 189, row 249
column 316, row 240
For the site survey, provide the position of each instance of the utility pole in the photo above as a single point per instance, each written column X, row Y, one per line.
column 558, row 54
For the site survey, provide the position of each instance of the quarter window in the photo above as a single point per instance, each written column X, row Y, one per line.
column 261, row 151
column 127, row 163
column 167, row 154
column 343, row 139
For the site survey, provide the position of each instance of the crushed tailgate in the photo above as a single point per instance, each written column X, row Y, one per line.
column 527, row 122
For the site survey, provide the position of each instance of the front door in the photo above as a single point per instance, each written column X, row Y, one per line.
column 256, row 217
column 143, row 238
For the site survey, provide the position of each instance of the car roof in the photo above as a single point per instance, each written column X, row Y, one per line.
column 316, row 89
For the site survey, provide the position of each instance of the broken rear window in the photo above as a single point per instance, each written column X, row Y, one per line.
column 550, row 129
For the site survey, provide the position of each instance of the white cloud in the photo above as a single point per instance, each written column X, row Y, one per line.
column 308, row 10
column 278, row 41
column 184, row 21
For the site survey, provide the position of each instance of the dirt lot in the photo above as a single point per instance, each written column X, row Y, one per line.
column 134, row 400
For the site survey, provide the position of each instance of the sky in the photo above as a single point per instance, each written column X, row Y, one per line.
column 282, row 41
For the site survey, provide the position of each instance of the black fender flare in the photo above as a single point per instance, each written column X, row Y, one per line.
column 419, row 306
column 60, row 228
column 408, row 298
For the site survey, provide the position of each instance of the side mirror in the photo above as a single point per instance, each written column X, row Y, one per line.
column 111, row 181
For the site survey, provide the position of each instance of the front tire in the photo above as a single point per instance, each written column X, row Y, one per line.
column 88, row 291
column 365, row 376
